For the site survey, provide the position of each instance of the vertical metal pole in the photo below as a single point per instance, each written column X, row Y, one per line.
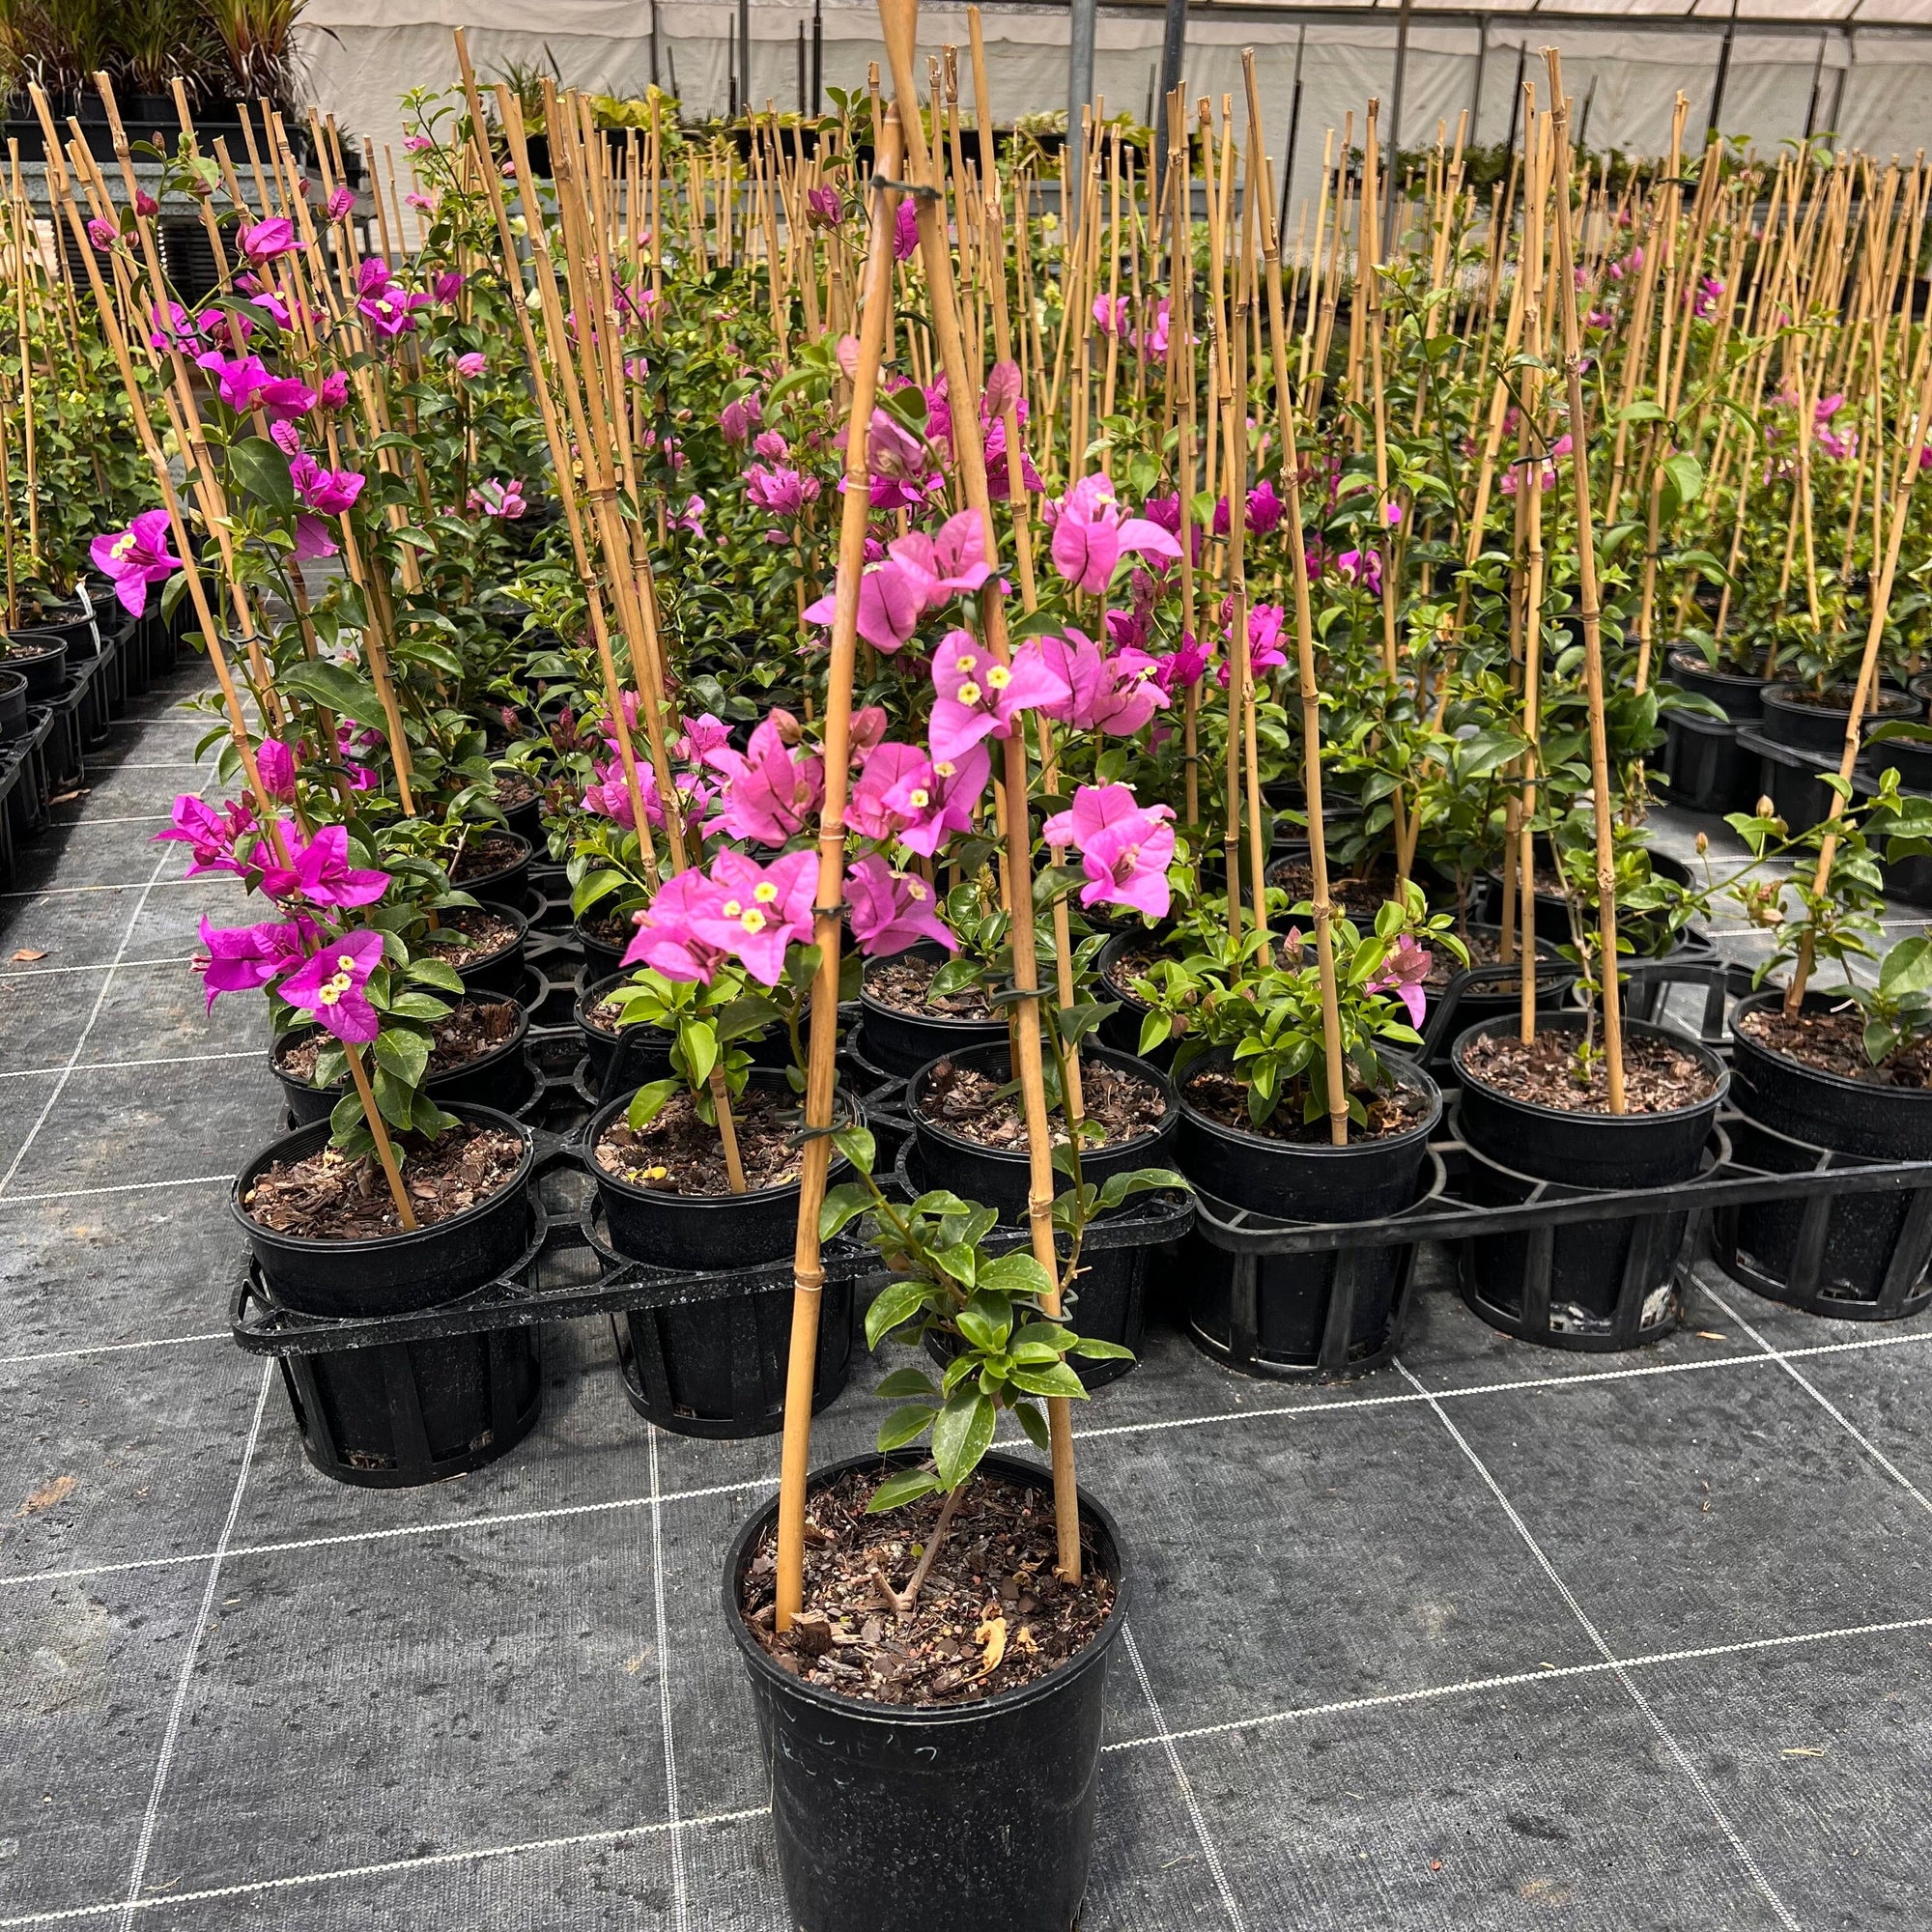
column 1392, row 179
column 1817, row 80
column 804, row 107
column 654, row 43
column 1173, row 53
column 744, row 53
column 1079, row 94
column 1476, row 92
column 1723, row 75
column 817, row 54
column 1516, row 97
column 1293, row 131
column 1838, row 92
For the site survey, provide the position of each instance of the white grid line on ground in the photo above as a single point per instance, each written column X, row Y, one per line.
column 429, row 1861
column 113, row 1349
column 1830, row 1407
column 144, row 765
column 166, row 1763
column 121, row 1066
column 129, row 818
column 115, row 965
column 75, row 892
column 94, row 1013
column 1340, row 1406
column 1740, row 1848
column 1195, row 1817
column 119, row 1188
column 680, row 1902
column 393, row 1533
column 1510, row 1680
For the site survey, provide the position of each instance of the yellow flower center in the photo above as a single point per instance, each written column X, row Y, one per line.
column 331, row 991
column 966, row 661
column 945, row 770
column 920, row 797
column 915, row 890
column 346, row 962
column 733, row 907
column 969, row 692
column 999, row 677
column 754, row 921
column 764, row 891
column 124, row 546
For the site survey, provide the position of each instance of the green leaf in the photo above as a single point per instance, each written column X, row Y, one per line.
column 336, row 689
column 985, row 1321
column 439, row 973
column 403, row 1053
column 591, row 888
column 1033, row 1423
column 857, row 1147
column 418, row 1006
column 906, row 1425
column 1017, row 1273
column 904, row 1383
column 1091, row 1349
column 907, row 1487
column 263, row 471
column 841, row 1207
column 1057, row 1379
column 648, row 1103
column 894, row 1305
column 699, row 1045
column 961, row 1433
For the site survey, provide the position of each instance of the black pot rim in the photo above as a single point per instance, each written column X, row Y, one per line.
column 924, row 949
column 379, row 1244
column 1572, row 1022
column 577, row 927
column 590, row 995
column 1399, row 1065
column 1690, row 659
column 1128, row 1061
column 501, row 871
column 628, row 1190
column 1881, row 700
column 55, row 642
column 1835, row 1083
column 511, row 1045
column 11, row 677
column 924, row 1717
column 503, row 951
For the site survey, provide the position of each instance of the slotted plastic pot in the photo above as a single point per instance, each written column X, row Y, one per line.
column 962, row 1818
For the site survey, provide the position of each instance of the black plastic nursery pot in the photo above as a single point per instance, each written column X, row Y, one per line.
column 962, row 1818
column 899, row 1042
column 1471, row 996
column 1911, row 758
column 1791, row 721
column 601, row 958
column 41, row 658
column 499, row 1079
column 498, row 972
column 1267, row 1314
column 1790, row 780
column 1704, row 768
column 1864, row 1258
column 495, row 877
column 407, row 1413
column 1738, row 695
column 716, row 1366
column 1121, row 1028
column 645, row 1049
column 1591, row 1287
column 12, row 706
column 1108, row 1301
column 74, row 626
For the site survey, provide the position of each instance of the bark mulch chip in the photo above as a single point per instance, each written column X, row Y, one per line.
column 991, row 1615
column 678, row 1153
column 473, row 1028
column 1835, row 1043
column 489, row 852
column 470, row 933
column 979, row 1108
column 326, row 1197
column 1224, row 1099
column 1659, row 1078
column 902, row 984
